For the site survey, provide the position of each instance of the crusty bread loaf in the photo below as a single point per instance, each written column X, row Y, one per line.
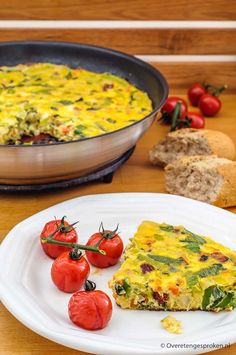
column 191, row 142
column 205, row 178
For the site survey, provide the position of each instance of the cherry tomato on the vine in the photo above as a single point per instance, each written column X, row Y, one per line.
column 110, row 242
column 197, row 120
column 209, row 105
column 62, row 231
column 169, row 106
column 90, row 310
column 69, row 271
column 195, row 92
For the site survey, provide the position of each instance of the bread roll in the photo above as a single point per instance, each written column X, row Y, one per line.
column 205, row 178
column 189, row 142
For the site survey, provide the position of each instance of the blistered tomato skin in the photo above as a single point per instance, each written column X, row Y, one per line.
column 69, row 275
column 113, row 248
column 90, row 310
column 52, row 250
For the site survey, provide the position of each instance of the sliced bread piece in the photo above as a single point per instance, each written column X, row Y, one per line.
column 189, row 142
column 205, row 178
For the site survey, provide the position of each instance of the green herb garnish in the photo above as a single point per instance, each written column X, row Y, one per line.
column 68, row 75
column 132, row 96
column 108, row 101
column 191, row 245
column 193, row 241
column 126, row 286
column 224, row 301
column 167, row 228
column 197, row 238
column 11, row 91
column 65, row 102
column 215, row 297
column 120, row 290
column 192, row 279
column 210, row 271
column 79, row 130
column 158, row 237
column 207, row 297
column 100, row 126
column 110, row 120
column 43, row 91
column 166, row 259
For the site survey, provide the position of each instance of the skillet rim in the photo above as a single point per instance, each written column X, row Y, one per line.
column 155, row 72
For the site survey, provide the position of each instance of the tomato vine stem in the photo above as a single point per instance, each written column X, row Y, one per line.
column 62, row 227
column 95, row 249
column 106, row 234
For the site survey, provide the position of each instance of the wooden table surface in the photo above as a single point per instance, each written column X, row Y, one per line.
column 136, row 175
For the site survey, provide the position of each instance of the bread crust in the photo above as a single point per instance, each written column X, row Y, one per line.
column 227, row 193
column 213, row 143
column 226, row 196
column 220, row 144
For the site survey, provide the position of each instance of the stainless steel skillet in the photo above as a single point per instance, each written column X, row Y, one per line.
column 65, row 160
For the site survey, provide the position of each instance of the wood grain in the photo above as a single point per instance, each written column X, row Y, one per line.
column 137, row 41
column 118, row 10
column 22, row 205
column 183, row 74
column 136, row 175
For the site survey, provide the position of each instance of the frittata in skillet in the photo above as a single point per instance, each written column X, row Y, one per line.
column 171, row 268
column 64, row 104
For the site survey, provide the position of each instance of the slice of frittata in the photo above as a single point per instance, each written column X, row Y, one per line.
column 171, row 268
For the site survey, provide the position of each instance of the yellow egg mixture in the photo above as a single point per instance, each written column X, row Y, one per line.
column 172, row 325
column 171, row 268
column 67, row 104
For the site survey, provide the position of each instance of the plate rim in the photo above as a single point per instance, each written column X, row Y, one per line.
column 96, row 344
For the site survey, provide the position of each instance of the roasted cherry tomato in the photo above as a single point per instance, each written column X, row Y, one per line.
column 209, row 105
column 60, row 230
column 69, row 271
column 41, row 138
column 195, row 92
column 197, row 120
column 90, row 310
column 169, row 106
column 110, row 242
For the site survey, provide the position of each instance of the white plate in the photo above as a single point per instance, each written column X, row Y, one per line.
column 28, row 293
